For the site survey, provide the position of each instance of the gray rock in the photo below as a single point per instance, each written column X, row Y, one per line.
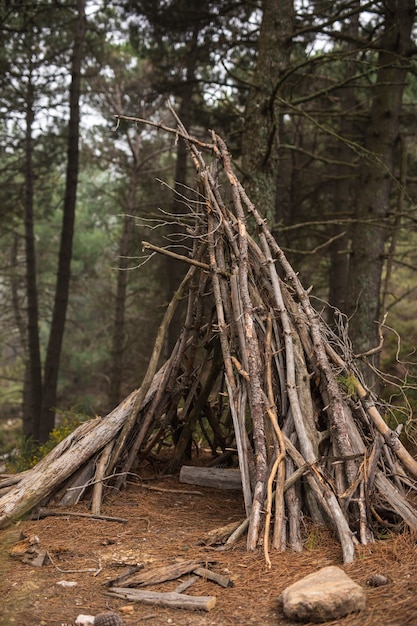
column 323, row 596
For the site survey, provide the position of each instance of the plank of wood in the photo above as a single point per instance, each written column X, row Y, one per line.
column 162, row 574
column 215, row 477
column 169, row 599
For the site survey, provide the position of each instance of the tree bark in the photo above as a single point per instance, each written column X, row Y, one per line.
column 376, row 176
column 33, row 376
column 345, row 188
column 175, row 269
column 260, row 143
column 53, row 354
column 125, row 246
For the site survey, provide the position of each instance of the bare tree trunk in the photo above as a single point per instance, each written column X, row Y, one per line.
column 175, row 269
column 53, row 354
column 260, row 143
column 345, row 188
column 119, row 327
column 376, row 175
column 33, row 377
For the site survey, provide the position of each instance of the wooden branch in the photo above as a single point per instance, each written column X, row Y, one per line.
column 279, row 465
column 186, row 584
column 254, row 385
column 9, row 480
column 396, row 501
column 293, row 503
column 390, row 437
column 218, row 535
column 42, row 512
column 181, row 133
column 229, row 374
column 238, row 407
column 207, row 574
column 327, row 500
column 380, row 345
column 179, row 257
column 187, row 492
column 100, row 474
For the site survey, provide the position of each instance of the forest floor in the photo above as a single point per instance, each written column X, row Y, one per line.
column 163, row 526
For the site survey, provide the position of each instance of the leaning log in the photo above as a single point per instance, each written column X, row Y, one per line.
column 77, row 449
column 71, row 454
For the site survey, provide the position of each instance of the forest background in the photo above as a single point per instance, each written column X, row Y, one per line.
column 317, row 103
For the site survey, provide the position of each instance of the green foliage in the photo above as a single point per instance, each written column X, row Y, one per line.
column 22, row 455
column 28, row 453
column 347, row 383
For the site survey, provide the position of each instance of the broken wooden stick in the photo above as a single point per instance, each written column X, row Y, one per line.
column 42, row 512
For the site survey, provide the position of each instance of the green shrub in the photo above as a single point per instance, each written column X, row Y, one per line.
column 29, row 452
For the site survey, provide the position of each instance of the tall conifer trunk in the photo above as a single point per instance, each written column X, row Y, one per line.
column 344, row 196
column 49, row 399
column 175, row 269
column 33, row 373
column 376, row 176
column 260, row 143
column 125, row 250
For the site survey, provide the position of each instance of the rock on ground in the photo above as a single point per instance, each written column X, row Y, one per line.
column 325, row 595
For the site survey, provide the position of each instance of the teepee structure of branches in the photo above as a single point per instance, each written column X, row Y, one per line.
column 253, row 352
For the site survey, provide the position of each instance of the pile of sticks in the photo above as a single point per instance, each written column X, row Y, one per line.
column 253, row 350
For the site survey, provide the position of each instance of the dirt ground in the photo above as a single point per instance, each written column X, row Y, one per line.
column 163, row 526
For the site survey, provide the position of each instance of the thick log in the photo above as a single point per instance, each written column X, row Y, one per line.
column 69, row 455
column 169, row 599
column 214, row 477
